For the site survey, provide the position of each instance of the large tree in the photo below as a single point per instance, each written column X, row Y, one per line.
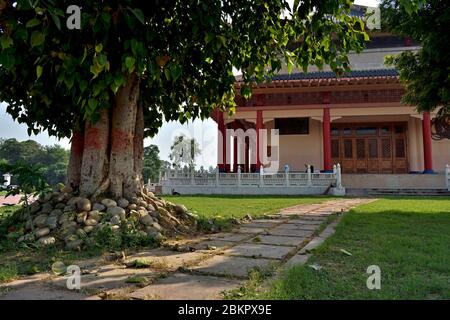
column 425, row 73
column 152, row 163
column 133, row 64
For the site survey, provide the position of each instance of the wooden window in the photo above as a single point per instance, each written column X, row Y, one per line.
column 348, row 149
column 360, row 148
column 385, row 130
column 373, row 148
column 347, row 132
column 386, row 149
column 288, row 126
column 365, row 131
column 399, row 148
column 335, row 148
column 334, row 131
column 399, row 129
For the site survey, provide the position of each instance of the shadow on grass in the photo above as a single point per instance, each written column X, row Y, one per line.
column 409, row 242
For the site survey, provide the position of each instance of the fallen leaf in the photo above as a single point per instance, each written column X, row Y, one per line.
column 315, row 267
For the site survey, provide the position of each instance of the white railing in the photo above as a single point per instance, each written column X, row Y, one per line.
column 447, row 176
column 174, row 178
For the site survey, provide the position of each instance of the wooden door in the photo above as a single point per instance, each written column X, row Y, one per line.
column 371, row 148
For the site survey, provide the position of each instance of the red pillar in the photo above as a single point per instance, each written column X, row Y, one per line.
column 327, row 166
column 259, row 126
column 221, row 137
column 427, row 153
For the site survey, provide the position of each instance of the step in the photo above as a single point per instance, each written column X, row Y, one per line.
column 398, row 192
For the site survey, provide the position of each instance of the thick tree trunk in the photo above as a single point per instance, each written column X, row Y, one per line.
column 112, row 149
column 76, row 158
column 138, row 145
column 121, row 166
column 95, row 154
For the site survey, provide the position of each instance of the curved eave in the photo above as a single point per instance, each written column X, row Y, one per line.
column 344, row 83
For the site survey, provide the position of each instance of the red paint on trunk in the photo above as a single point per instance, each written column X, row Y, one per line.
column 77, row 143
column 92, row 139
column 121, row 140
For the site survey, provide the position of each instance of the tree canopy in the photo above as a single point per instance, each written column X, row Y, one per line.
column 425, row 73
column 133, row 64
column 183, row 52
column 52, row 159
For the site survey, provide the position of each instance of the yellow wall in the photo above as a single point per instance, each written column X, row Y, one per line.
column 298, row 150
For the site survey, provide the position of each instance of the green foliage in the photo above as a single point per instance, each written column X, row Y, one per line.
column 183, row 51
column 425, row 74
column 53, row 159
column 152, row 163
column 30, row 180
column 125, row 237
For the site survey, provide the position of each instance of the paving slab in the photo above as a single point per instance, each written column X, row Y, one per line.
column 259, row 251
column 44, row 292
column 278, row 240
column 312, row 214
column 298, row 259
column 313, row 244
column 305, row 221
column 181, row 286
column 296, row 226
column 310, row 218
column 274, row 221
column 25, row 281
column 209, row 245
column 233, row 237
column 251, row 230
column 231, row 266
column 168, row 260
column 108, row 279
column 286, row 230
column 262, row 225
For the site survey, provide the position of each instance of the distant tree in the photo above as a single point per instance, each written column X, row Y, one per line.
column 164, row 166
column 55, row 161
column 52, row 160
column 184, row 151
column 26, row 151
column 211, row 169
column 152, row 163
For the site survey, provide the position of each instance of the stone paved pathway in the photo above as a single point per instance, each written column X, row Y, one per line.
column 12, row 200
column 204, row 268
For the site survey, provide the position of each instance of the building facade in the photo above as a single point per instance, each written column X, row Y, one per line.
column 356, row 120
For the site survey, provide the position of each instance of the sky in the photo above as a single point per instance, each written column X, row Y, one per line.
column 205, row 132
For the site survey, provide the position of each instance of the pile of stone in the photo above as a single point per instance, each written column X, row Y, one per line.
column 63, row 217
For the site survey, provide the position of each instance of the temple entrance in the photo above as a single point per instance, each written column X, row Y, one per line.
column 370, row 148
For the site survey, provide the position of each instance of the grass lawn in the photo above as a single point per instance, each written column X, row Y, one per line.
column 409, row 239
column 223, row 208
column 2, row 193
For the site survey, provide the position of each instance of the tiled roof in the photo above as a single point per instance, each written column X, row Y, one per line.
column 330, row 74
